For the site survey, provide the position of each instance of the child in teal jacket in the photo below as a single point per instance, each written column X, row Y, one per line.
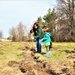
column 47, row 41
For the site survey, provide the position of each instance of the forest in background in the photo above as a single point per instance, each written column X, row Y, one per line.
column 60, row 21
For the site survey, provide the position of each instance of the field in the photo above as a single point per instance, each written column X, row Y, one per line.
column 62, row 56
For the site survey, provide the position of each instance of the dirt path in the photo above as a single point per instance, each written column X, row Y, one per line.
column 21, row 59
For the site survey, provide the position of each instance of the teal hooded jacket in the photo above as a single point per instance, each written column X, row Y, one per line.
column 47, row 38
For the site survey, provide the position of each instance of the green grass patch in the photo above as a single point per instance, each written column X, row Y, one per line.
column 19, row 57
column 58, row 51
column 12, row 51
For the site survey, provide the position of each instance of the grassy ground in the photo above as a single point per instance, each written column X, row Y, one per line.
column 11, row 51
column 58, row 51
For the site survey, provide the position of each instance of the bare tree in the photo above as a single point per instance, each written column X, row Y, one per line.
column 1, row 34
column 18, row 33
column 66, row 19
column 12, row 33
column 21, row 31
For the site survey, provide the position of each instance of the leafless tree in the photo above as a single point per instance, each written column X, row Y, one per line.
column 1, row 34
column 21, row 31
column 18, row 33
column 12, row 33
column 66, row 19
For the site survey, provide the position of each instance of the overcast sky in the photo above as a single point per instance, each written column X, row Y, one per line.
column 27, row 11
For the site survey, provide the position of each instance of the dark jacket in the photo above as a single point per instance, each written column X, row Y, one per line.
column 38, row 33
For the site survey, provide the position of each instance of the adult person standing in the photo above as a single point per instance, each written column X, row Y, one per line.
column 38, row 35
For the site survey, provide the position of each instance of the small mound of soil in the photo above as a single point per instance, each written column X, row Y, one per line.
column 1, row 53
column 13, row 63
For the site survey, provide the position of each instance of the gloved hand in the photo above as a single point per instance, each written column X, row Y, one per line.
column 41, row 40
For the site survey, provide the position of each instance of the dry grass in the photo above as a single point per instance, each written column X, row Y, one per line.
column 12, row 51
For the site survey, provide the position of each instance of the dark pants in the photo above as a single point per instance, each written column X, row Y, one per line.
column 50, row 45
column 38, row 45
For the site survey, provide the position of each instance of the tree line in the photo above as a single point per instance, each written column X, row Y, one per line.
column 18, row 33
column 60, row 21
column 1, row 34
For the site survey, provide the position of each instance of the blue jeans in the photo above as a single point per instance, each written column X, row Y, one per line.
column 38, row 45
